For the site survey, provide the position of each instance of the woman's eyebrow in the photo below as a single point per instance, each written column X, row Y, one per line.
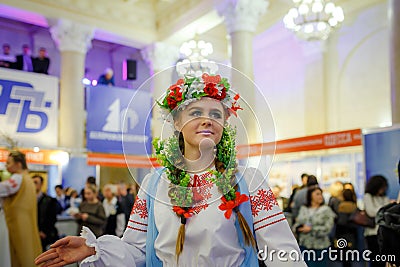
column 195, row 108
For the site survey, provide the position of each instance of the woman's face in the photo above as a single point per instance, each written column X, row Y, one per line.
column 89, row 194
column 107, row 193
column 12, row 166
column 317, row 197
column 201, row 123
column 382, row 190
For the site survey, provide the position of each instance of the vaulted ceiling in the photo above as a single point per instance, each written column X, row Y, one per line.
column 138, row 23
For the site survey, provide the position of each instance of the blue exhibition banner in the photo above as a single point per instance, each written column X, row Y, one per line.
column 382, row 154
column 118, row 120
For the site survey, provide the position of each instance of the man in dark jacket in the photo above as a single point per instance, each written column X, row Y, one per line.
column 47, row 214
column 42, row 62
column 25, row 60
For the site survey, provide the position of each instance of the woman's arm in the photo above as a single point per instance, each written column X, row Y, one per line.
column 106, row 251
column 301, row 218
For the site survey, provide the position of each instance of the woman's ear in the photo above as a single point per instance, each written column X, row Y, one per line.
column 177, row 125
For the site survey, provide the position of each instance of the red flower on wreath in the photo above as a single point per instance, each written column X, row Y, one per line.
column 177, row 84
column 171, row 102
column 175, row 94
column 211, row 90
column 235, row 107
column 211, row 79
column 231, row 204
column 222, row 95
column 187, row 213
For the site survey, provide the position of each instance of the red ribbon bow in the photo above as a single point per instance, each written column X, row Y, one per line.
column 231, row 204
column 187, row 213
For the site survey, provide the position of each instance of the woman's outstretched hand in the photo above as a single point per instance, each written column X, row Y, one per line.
column 65, row 251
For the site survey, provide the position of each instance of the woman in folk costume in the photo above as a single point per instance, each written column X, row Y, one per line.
column 197, row 210
column 20, row 209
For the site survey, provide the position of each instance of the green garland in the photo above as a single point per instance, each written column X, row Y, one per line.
column 227, row 155
column 168, row 154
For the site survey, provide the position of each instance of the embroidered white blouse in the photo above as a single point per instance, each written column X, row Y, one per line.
column 10, row 186
column 210, row 238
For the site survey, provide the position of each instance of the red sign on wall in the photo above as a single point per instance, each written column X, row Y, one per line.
column 307, row 143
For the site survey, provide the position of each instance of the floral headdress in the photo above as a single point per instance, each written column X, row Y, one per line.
column 190, row 89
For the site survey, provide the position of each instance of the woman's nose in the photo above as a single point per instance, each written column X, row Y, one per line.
column 206, row 121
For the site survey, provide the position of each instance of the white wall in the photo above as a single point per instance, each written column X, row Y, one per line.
column 356, row 74
column 279, row 73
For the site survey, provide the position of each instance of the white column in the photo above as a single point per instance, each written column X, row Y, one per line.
column 73, row 41
column 394, row 20
column 241, row 18
column 161, row 59
column 315, row 104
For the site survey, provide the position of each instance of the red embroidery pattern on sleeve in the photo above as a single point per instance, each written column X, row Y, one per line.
column 140, row 208
column 135, row 224
column 263, row 200
column 269, row 220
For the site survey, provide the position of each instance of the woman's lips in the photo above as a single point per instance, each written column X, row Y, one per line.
column 205, row 132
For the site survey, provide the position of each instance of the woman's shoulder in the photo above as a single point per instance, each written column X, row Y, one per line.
column 327, row 210
column 152, row 177
column 347, row 207
column 367, row 196
column 253, row 177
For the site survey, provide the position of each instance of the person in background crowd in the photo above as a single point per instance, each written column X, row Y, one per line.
column 74, row 202
column 335, row 191
column 290, row 202
column 344, row 227
column 107, row 78
column 20, row 208
column 374, row 198
column 91, row 212
column 304, row 178
column 62, row 199
column 42, row 62
column 116, row 221
column 7, row 60
column 388, row 219
column 133, row 189
column 91, row 180
column 300, row 198
column 47, row 214
column 282, row 201
column 25, row 60
column 350, row 186
column 398, row 173
column 313, row 225
column 126, row 200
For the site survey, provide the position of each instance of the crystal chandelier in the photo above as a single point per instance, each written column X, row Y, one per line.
column 195, row 61
column 313, row 19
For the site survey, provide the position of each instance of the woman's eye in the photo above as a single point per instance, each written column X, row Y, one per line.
column 215, row 115
column 196, row 113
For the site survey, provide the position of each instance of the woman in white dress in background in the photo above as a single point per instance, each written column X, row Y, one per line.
column 5, row 259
